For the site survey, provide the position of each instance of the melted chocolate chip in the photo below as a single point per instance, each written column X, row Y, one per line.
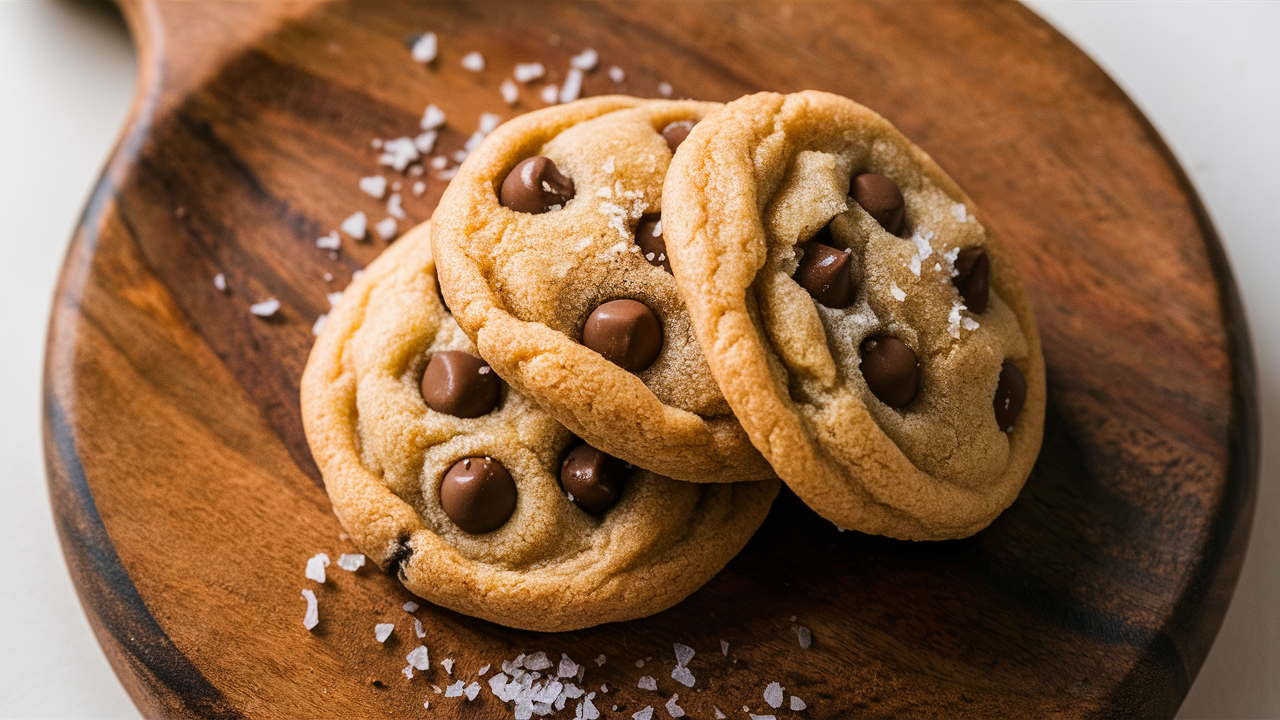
column 890, row 369
column 827, row 274
column 478, row 494
column 625, row 332
column 460, row 384
column 676, row 132
column 652, row 245
column 535, row 186
column 394, row 563
column 973, row 278
column 881, row 198
column 593, row 479
column 1011, row 393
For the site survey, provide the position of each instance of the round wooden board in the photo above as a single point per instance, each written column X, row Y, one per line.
column 188, row 503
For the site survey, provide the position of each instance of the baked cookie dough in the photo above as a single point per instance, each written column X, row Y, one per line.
column 474, row 497
column 868, row 331
column 549, row 241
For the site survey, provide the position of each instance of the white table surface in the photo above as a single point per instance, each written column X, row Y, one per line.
column 1207, row 74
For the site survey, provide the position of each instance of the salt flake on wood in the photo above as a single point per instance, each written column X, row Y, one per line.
column 350, row 563
column 432, row 118
column 220, row 282
column 673, row 709
column 382, row 631
column 585, row 60
column 510, row 93
column 419, row 658
column 312, row 618
column 647, row 683
column 617, row 74
column 473, row 61
column 528, row 72
column 374, row 186
column 267, row 308
column 773, row 695
column 424, row 48
column 797, row 704
column 645, row 714
column 356, row 225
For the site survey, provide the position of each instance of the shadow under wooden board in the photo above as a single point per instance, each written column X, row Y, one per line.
column 188, row 503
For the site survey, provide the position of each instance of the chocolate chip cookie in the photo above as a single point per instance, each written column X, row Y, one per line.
column 474, row 497
column 868, row 330
column 550, row 246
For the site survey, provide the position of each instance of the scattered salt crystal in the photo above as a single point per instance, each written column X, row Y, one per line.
column 419, row 188
column 640, row 663
column 762, row 717
column 645, row 714
column 425, row 142
column 483, row 670
column 356, row 225
column 604, row 688
column 472, row 690
column 673, row 709
column 510, row 93
column 724, row 648
column 386, row 228
column 665, row 89
column 647, row 683
column 473, row 61
column 437, row 689
column 572, row 87
column 461, row 155
column 418, row 630
column 334, row 298
column 330, row 241
column 568, row 668
column 969, row 323
column 439, row 162
column 416, row 170
column 897, row 292
column 527, row 72
column 489, row 122
column 608, row 167
column 374, row 185
column 953, row 319
column 424, row 48
column 684, row 653
column 537, row 661
column 719, row 713
column 447, row 664
column 682, row 675
column 454, row 690
column 350, row 563
column 805, row 636
column 328, row 277
column 605, row 192
column 312, row 618
column 267, row 308
column 600, row 660
column 356, row 275
column 773, row 695
column 432, row 118
column 426, row 704
column 617, row 74
column 419, row 658
column 550, row 94
column 797, row 704
column 408, row 671
column 585, row 60
column 376, row 143
column 393, row 206
column 410, row 606
column 382, row 631
column 318, row 326
column 447, row 174
column 960, row 212
column 923, row 251
column 220, row 282
column 399, row 153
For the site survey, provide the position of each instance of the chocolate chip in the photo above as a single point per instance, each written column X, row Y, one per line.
column 593, row 479
column 652, row 245
column 398, row 556
column 625, row 332
column 1011, row 393
column 676, row 132
column 973, row 278
column 460, row 384
column 827, row 273
column 535, row 186
column 890, row 369
column 881, row 198
column 478, row 494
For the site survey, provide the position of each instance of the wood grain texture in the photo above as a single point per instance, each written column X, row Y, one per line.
column 187, row 501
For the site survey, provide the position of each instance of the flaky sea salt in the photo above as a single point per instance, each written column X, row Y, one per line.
column 550, row 94
column 724, row 648
column 665, row 89
column 356, row 225
column 617, row 74
column 382, row 631
column 568, row 668
column 673, row 709
column 805, row 636
column 419, row 188
column 267, row 308
column 473, row 61
column 472, row 690
column 334, row 298
column 897, row 292
column 433, row 117
column 773, row 695
column 350, row 563
column 330, row 241
column 797, row 704
column 386, row 228
column 448, row 174
column 528, row 72
column 424, row 48
column 447, row 664
column 753, row 716
column 408, row 671
column 419, row 658
column 374, row 185
column 645, row 714
column 455, row 690
column 220, row 282
column 399, row 153
column 684, row 653
column 960, row 212
column 418, row 630
column 317, row 327
column 601, row 660
column 484, row 669
column 510, row 93
column 489, row 122
column 411, row 606
column 923, row 251
column 585, row 60
column 682, row 675
column 312, row 618
column 572, row 87
column 647, row 683
column 640, row 663
column 426, row 141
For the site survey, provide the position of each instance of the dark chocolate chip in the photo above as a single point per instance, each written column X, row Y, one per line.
column 625, row 332
column 535, row 186
column 881, row 198
column 652, row 245
column 460, row 384
column 827, row 273
column 676, row 132
column 593, row 479
column 1011, row 393
column 973, row 278
column 399, row 555
column 890, row 369
column 478, row 494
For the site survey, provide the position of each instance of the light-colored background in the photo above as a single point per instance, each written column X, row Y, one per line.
column 1207, row 74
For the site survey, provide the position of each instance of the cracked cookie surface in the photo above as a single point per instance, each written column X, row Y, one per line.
column 406, row 478
column 869, row 332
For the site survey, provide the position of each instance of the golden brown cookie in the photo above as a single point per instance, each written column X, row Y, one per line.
column 868, row 331
column 549, row 244
column 477, row 499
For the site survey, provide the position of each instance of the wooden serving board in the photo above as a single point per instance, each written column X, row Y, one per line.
column 188, row 503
